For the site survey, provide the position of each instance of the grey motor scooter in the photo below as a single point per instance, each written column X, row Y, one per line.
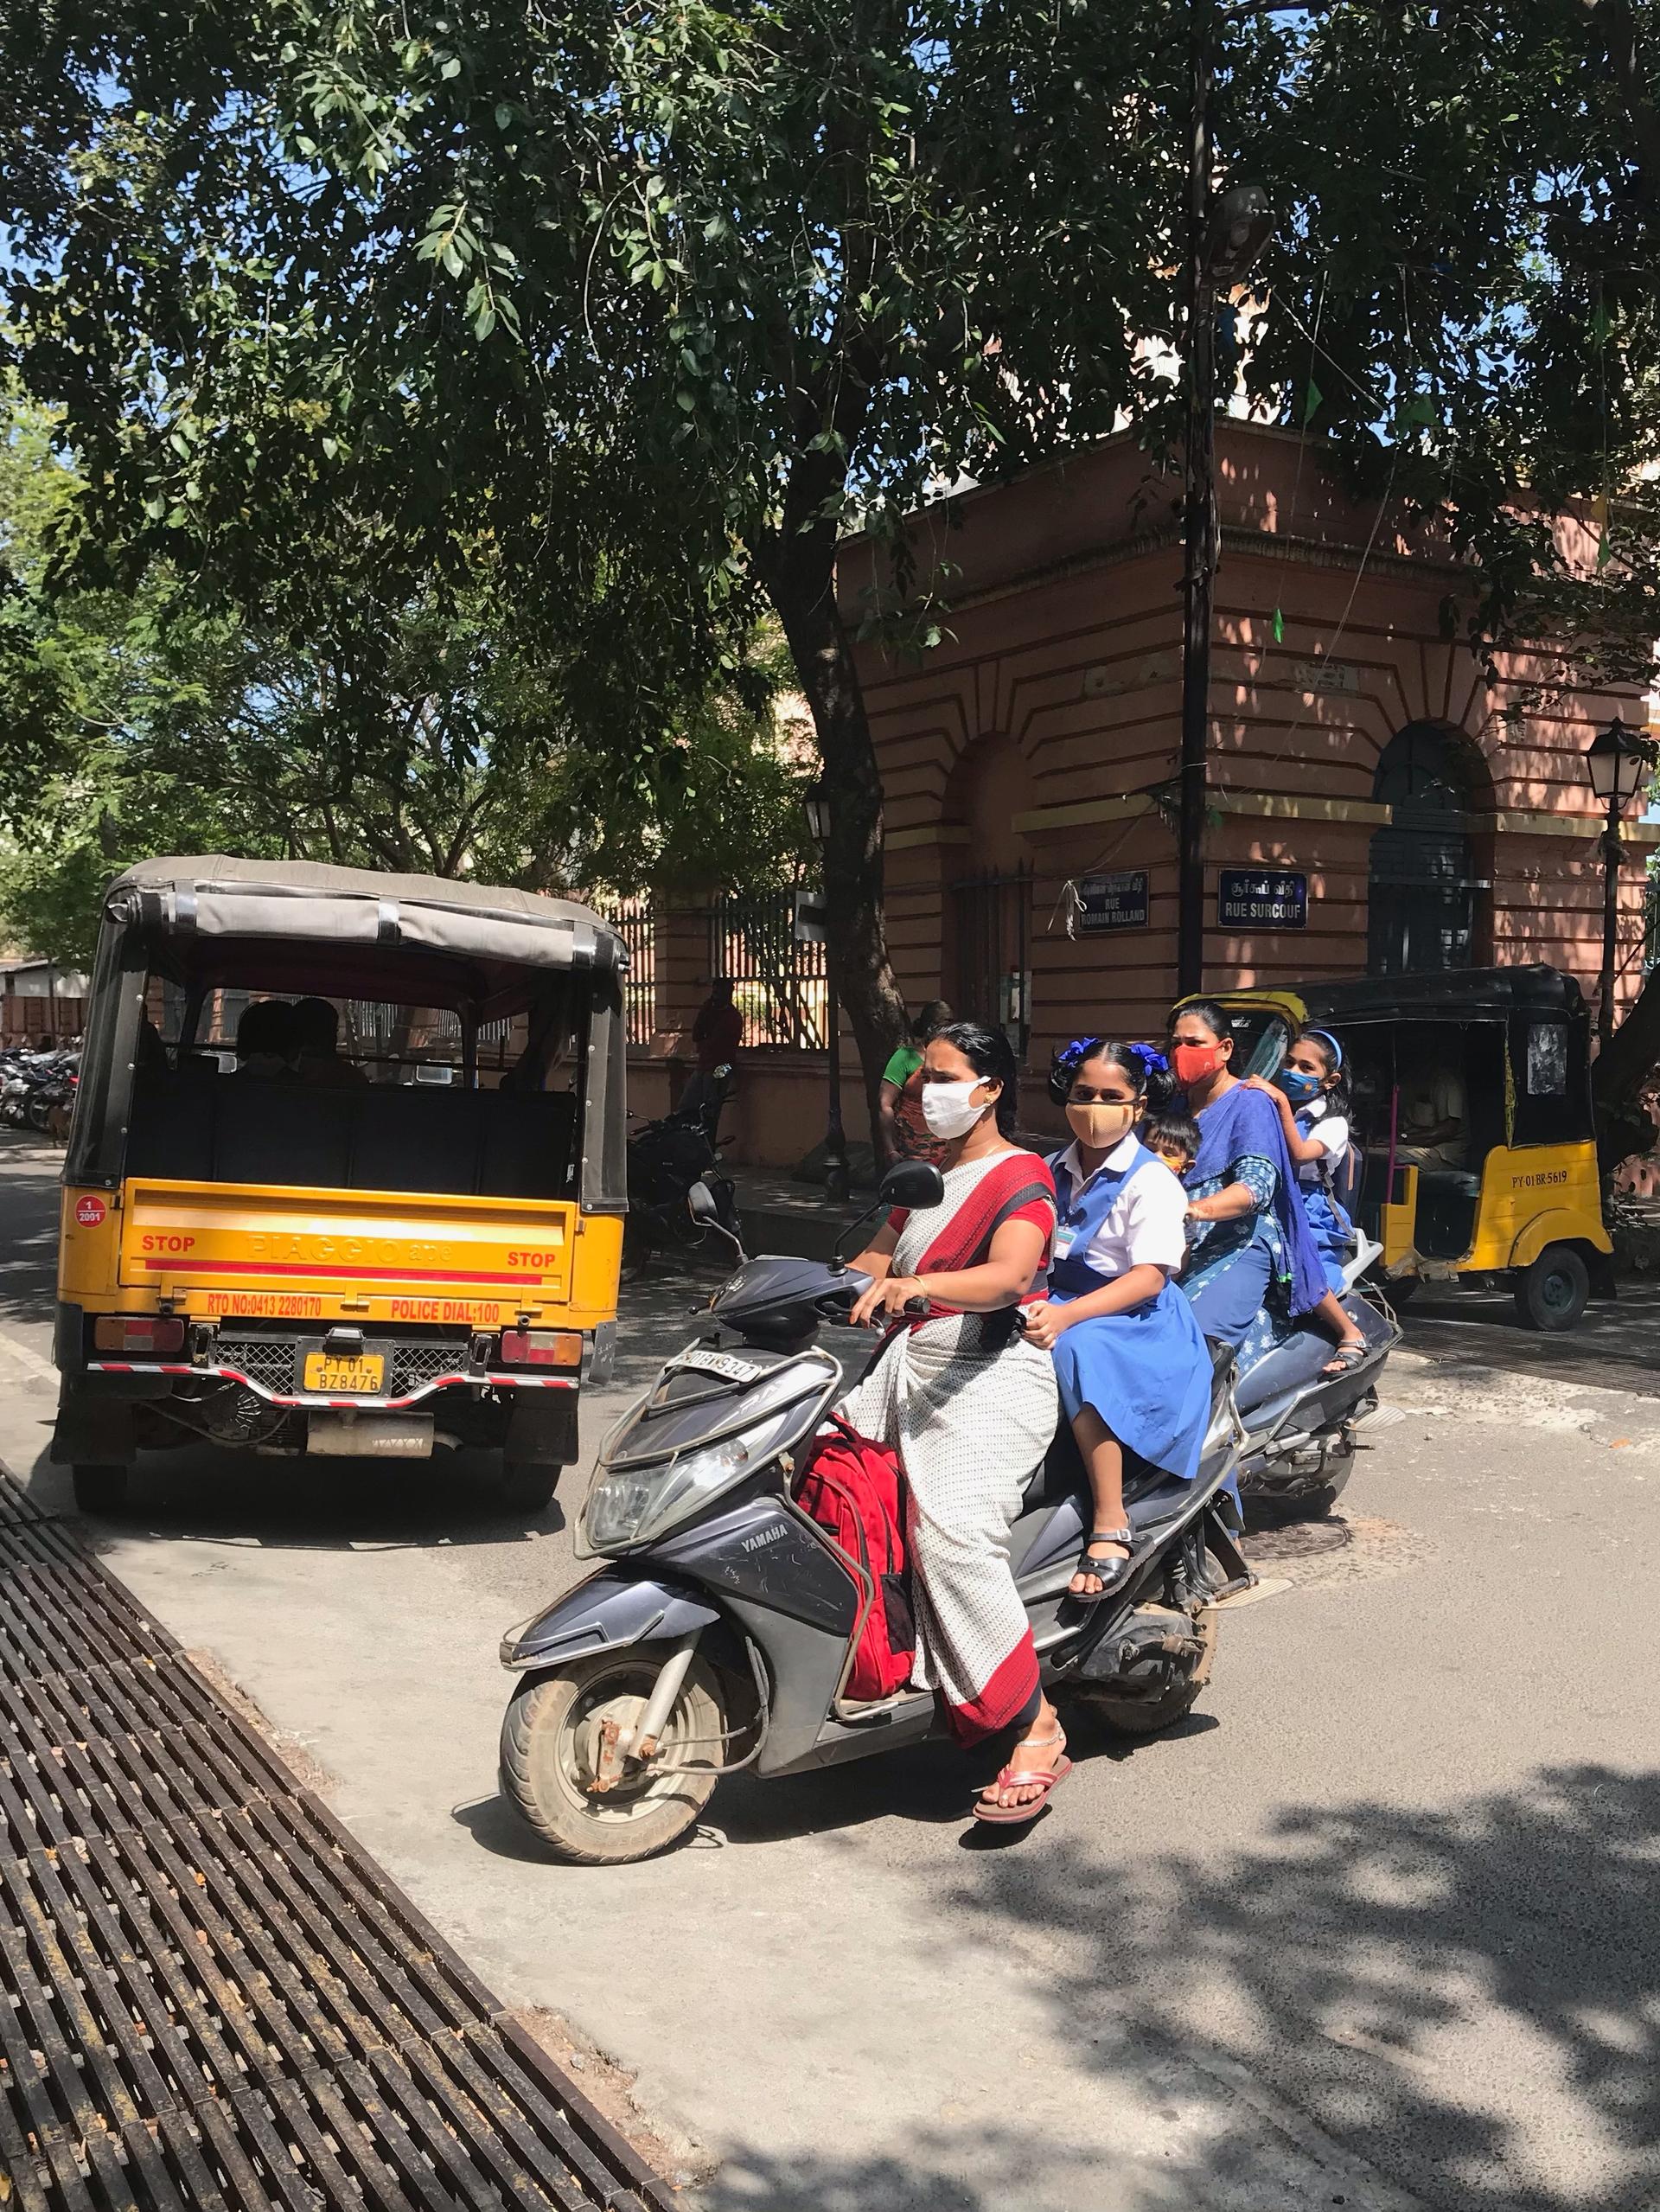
column 720, row 1632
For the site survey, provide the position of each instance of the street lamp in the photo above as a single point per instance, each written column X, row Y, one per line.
column 815, row 802
column 1225, row 233
column 1619, row 764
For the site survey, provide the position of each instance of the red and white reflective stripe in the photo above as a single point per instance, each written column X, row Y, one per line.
column 381, row 1405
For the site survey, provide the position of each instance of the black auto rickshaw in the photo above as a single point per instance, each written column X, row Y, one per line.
column 1471, row 1098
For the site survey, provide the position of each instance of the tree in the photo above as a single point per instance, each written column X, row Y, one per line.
column 425, row 739
column 662, row 301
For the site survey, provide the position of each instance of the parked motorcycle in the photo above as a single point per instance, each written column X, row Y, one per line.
column 1302, row 1426
column 721, row 1634
column 667, row 1158
column 36, row 1085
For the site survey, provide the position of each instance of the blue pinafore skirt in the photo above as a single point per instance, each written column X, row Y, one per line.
column 1332, row 1231
column 1144, row 1372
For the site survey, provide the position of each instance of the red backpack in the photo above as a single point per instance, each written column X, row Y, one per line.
column 853, row 1489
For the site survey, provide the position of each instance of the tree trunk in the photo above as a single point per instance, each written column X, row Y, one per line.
column 798, row 570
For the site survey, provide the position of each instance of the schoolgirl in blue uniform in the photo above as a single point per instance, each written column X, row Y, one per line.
column 1313, row 1098
column 1132, row 1366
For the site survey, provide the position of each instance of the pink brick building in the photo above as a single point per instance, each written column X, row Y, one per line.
column 1433, row 818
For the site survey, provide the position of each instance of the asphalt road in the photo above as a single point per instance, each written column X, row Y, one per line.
column 1377, row 1927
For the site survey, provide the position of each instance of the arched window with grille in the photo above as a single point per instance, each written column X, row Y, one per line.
column 1424, row 888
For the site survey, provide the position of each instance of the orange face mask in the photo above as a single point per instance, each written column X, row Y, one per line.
column 1193, row 1063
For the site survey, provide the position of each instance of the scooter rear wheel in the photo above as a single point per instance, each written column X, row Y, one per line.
column 551, row 1744
column 1148, row 1715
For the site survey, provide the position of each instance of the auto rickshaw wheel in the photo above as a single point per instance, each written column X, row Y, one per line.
column 1551, row 1295
column 527, row 1487
column 101, row 1490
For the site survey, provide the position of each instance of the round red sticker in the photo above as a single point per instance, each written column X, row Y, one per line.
column 89, row 1212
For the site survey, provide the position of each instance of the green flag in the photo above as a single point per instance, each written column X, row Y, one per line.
column 1279, row 627
column 1312, row 401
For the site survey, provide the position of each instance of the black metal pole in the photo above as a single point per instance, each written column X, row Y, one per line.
column 836, row 1182
column 1199, row 526
column 1610, row 920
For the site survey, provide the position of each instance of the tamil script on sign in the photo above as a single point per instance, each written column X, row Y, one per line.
column 1112, row 902
column 1262, row 898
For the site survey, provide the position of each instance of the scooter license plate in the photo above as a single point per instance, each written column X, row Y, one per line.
column 726, row 1365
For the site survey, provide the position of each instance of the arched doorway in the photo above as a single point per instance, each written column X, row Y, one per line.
column 987, row 970
column 1424, row 888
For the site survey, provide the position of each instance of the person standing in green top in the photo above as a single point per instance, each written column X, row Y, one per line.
column 904, row 1133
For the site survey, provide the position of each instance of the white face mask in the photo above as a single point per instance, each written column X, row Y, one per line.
column 949, row 1109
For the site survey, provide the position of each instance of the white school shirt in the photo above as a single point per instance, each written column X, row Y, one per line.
column 1330, row 1133
column 1146, row 1224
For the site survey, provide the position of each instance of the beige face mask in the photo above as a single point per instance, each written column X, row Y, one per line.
column 1100, row 1124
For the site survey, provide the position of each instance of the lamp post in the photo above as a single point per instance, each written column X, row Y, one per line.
column 1225, row 233
column 1619, row 764
column 816, row 802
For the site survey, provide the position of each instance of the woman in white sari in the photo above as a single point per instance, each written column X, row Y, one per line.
column 969, row 1407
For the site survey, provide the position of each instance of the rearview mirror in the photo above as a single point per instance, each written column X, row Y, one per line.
column 701, row 1203
column 917, row 1185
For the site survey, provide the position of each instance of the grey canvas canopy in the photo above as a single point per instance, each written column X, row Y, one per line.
column 216, row 895
column 305, row 925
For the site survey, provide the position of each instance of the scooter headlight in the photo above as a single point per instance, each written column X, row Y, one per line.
column 632, row 1505
column 627, row 1508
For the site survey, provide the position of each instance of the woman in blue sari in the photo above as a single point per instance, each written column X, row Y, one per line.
column 1253, row 1269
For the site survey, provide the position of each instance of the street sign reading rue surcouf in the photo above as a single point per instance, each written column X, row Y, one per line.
column 1261, row 898
column 1112, row 902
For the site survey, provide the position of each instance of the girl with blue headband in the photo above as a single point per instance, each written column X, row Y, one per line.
column 1313, row 1098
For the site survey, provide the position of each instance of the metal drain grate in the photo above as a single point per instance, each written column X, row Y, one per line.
column 209, row 1996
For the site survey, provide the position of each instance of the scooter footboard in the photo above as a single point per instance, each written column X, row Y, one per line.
column 607, row 1613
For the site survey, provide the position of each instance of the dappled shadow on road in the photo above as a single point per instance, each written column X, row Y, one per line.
column 961, row 2165
column 1613, row 1346
column 1469, row 2000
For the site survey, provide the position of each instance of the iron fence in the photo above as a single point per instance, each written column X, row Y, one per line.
column 636, row 922
column 781, row 988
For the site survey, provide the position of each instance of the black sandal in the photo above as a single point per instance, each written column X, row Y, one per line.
column 1346, row 1359
column 1111, row 1572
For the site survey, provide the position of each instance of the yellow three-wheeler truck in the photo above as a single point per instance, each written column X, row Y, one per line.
column 1472, row 1098
column 347, row 1173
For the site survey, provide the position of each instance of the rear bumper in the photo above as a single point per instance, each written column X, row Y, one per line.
column 217, row 1371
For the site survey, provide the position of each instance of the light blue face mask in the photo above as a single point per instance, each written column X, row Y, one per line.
column 1298, row 1087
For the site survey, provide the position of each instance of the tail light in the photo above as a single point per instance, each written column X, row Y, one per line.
column 541, row 1348
column 146, row 1333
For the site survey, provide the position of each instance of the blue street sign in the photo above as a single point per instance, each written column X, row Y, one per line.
column 1261, row 898
column 1115, row 902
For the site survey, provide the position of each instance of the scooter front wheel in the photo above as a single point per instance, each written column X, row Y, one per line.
column 554, row 1750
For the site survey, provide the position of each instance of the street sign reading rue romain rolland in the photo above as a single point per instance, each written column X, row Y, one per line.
column 1261, row 898
column 1113, row 902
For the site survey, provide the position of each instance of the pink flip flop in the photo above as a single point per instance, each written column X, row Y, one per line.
column 1016, row 1816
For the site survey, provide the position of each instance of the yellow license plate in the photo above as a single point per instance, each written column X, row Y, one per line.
column 364, row 1378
